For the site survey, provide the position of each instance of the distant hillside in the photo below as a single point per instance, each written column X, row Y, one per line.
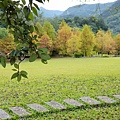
column 110, row 12
column 86, row 10
column 112, row 17
column 50, row 13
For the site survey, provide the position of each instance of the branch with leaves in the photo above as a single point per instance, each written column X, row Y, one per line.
column 18, row 17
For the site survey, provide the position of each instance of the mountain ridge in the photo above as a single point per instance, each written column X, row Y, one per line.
column 86, row 10
column 109, row 12
column 50, row 13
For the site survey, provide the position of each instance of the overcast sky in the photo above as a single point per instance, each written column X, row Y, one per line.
column 64, row 4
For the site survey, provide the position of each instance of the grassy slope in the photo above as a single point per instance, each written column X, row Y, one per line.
column 60, row 79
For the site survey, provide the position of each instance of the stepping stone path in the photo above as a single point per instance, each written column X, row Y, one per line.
column 19, row 111
column 4, row 115
column 73, row 102
column 89, row 100
column 106, row 99
column 56, row 105
column 117, row 96
column 37, row 107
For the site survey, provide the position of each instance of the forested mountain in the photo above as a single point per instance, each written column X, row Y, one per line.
column 109, row 12
column 112, row 17
column 86, row 10
column 50, row 13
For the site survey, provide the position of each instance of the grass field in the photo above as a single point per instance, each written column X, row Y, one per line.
column 60, row 79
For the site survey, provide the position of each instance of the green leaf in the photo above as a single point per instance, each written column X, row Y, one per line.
column 12, row 60
column 13, row 53
column 14, row 75
column 23, row 72
column 26, row 11
column 40, row 1
column 19, row 77
column 5, row 3
column 45, row 56
column 33, row 57
column 24, row 2
column 1, row 5
column 36, row 6
column 31, row 17
column 3, row 61
column 43, row 50
column 44, row 61
column 14, row 69
column 31, row 28
column 36, row 28
column 35, row 11
column 16, row 66
column 30, row 1
column 25, row 76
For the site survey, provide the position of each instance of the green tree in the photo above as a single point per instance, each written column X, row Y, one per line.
column 39, row 19
column 40, row 30
column 95, row 23
column 3, row 33
column 55, row 22
column 88, row 41
column 48, row 28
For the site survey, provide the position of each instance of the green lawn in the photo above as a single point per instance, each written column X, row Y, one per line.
column 60, row 79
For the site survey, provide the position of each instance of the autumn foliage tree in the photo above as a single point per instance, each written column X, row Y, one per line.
column 100, row 42
column 7, row 44
column 64, row 34
column 105, row 43
column 46, row 42
column 110, row 43
column 117, row 41
column 74, row 43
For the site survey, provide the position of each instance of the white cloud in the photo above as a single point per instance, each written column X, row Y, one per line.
column 64, row 4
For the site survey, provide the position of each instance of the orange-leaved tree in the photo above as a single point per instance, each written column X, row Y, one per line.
column 46, row 42
column 7, row 44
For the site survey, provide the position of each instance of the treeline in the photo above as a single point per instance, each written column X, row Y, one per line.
column 67, row 41
column 95, row 23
